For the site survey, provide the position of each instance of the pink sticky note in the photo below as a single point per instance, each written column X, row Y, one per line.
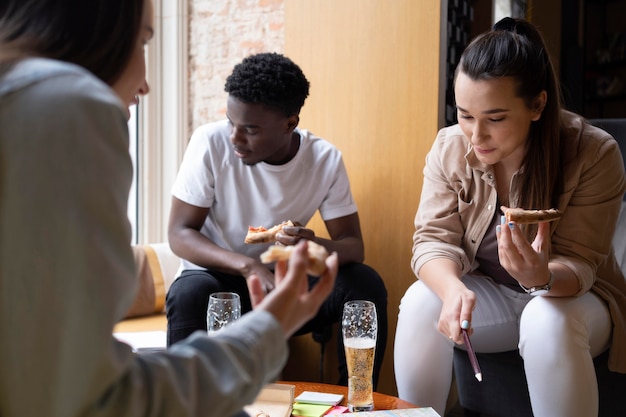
column 337, row 409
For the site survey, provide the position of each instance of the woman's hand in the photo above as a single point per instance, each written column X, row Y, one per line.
column 458, row 304
column 526, row 262
column 291, row 302
column 443, row 277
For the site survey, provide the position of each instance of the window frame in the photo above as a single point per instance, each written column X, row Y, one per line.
column 162, row 119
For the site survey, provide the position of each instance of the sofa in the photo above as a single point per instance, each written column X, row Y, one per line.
column 156, row 269
column 503, row 391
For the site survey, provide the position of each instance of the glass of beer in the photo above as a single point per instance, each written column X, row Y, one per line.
column 359, row 327
column 224, row 308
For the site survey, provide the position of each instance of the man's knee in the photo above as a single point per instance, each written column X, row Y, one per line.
column 188, row 298
column 190, row 287
column 185, row 305
column 364, row 278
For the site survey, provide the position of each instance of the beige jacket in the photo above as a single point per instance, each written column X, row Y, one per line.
column 459, row 200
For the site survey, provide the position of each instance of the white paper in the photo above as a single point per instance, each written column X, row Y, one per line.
column 141, row 341
column 312, row 397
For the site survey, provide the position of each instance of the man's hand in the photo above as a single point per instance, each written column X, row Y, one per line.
column 261, row 273
column 290, row 235
column 291, row 302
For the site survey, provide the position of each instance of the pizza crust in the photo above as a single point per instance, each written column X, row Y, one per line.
column 262, row 235
column 317, row 256
column 522, row 216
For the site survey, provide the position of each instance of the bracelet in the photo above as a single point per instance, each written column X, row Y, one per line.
column 541, row 289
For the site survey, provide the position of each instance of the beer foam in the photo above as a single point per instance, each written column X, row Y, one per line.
column 359, row 343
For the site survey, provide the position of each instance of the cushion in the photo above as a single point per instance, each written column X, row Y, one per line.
column 156, row 269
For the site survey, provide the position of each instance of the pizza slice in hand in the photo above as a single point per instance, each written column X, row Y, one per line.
column 317, row 256
column 262, row 235
column 522, row 216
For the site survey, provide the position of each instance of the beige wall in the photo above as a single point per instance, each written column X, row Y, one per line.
column 374, row 73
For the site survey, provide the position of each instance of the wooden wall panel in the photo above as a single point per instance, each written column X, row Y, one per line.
column 376, row 94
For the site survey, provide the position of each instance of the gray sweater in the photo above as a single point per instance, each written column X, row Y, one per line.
column 67, row 272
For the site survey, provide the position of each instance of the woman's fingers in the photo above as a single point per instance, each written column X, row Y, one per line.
column 255, row 288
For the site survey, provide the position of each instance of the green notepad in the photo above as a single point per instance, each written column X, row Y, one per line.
column 310, row 410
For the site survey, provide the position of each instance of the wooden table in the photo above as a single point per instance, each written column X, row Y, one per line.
column 381, row 401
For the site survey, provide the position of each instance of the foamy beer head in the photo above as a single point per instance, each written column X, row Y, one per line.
column 359, row 327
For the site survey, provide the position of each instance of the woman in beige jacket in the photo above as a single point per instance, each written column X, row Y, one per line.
column 554, row 289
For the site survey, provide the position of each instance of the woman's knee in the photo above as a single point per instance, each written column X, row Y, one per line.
column 549, row 315
column 419, row 309
column 582, row 322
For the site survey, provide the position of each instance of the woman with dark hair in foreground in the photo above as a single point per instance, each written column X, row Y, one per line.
column 69, row 69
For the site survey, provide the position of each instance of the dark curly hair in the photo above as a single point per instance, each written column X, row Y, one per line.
column 270, row 79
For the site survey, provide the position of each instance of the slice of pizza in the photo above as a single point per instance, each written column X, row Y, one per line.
column 522, row 216
column 317, row 256
column 262, row 235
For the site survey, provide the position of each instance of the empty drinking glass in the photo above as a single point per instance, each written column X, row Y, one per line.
column 224, row 308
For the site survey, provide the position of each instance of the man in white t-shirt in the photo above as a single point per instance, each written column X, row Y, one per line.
column 258, row 169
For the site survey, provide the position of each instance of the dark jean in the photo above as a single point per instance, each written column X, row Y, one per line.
column 188, row 298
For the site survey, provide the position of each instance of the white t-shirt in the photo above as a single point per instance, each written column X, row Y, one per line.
column 241, row 195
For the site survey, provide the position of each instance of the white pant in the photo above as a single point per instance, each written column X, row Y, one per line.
column 557, row 337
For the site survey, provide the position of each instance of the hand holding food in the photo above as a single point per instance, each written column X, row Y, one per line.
column 293, row 303
column 262, row 235
column 317, row 256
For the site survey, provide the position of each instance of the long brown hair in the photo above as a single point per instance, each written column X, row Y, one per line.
column 514, row 48
column 98, row 35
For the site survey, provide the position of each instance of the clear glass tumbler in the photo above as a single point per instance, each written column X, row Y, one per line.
column 224, row 308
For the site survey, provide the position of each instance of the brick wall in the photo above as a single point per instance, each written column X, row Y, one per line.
column 221, row 34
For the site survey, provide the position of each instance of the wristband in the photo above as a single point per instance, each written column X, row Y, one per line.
column 541, row 289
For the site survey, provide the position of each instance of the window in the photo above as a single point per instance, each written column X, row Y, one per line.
column 508, row 8
column 132, row 149
column 161, row 123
